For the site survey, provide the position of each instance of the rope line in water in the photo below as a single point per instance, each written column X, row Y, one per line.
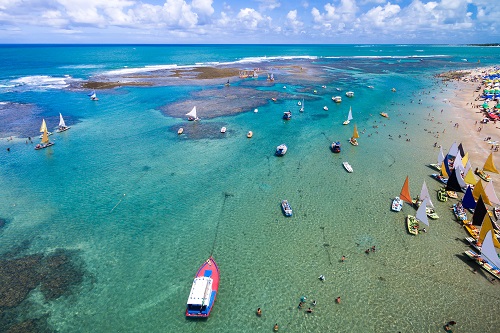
column 226, row 195
column 124, row 194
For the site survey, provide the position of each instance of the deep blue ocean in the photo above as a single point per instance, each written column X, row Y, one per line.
column 138, row 207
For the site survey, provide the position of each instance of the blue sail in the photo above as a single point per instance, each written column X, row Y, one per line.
column 468, row 201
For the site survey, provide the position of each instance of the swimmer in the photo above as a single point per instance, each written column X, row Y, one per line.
column 314, row 303
column 276, row 327
column 322, row 277
column 309, row 310
column 342, row 259
column 337, row 300
column 259, row 312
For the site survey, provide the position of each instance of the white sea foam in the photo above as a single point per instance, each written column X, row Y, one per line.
column 247, row 60
column 43, row 82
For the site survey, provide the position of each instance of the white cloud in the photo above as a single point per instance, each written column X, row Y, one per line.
column 268, row 4
column 335, row 16
column 293, row 22
column 250, row 18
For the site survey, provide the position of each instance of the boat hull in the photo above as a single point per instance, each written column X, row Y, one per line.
column 347, row 167
column 286, row 208
column 208, row 269
column 412, row 224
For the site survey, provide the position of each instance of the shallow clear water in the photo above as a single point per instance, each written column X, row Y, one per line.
column 145, row 207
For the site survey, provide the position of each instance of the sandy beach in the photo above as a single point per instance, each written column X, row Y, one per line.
column 468, row 115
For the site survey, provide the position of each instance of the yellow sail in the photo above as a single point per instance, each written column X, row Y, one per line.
column 443, row 171
column 43, row 127
column 45, row 137
column 489, row 165
column 485, row 227
column 355, row 134
column 465, row 159
column 405, row 192
column 469, row 178
column 479, row 191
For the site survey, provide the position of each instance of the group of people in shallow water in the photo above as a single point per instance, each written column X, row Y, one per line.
column 302, row 303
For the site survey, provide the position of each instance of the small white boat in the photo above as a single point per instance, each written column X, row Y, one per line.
column 324, row 87
column 325, row 108
column 347, row 166
column 397, row 204
column 299, row 103
column 249, row 134
column 281, row 150
column 256, row 110
column 393, row 89
column 180, row 131
column 371, row 87
column 337, row 99
column 43, row 128
column 223, row 130
column 349, row 94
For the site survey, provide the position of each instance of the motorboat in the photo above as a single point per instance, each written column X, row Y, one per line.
column 281, row 150
column 287, row 209
column 397, row 204
column 347, row 167
column 335, row 147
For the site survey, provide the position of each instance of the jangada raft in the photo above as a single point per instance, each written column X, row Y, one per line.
column 204, row 290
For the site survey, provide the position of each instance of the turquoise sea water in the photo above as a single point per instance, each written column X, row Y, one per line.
column 144, row 207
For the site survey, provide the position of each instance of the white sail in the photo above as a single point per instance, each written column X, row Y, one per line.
column 349, row 115
column 458, row 162
column 424, row 194
column 459, row 171
column 61, row 121
column 440, row 156
column 488, row 251
column 490, row 193
column 192, row 113
column 421, row 213
column 468, row 166
column 453, row 150
column 302, row 108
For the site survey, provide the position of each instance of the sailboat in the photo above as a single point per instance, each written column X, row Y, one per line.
column 421, row 215
column 488, row 259
column 405, row 192
column 302, row 107
column 93, row 96
column 355, row 135
column 440, row 160
column 349, row 117
column 192, row 114
column 488, row 166
column 43, row 128
column 62, row 124
column 45, row 141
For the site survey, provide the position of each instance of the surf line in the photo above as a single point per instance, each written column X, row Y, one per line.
column 125, row 194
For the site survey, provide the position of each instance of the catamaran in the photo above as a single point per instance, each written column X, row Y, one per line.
column 62, row 125
column 192, row 114
column 349, row 117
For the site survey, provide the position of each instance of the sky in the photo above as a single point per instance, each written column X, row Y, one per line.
column 249, row 21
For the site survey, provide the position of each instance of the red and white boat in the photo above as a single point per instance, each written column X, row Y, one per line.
column 204, row 290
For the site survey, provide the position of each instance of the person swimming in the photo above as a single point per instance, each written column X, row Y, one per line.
column 321, row 277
